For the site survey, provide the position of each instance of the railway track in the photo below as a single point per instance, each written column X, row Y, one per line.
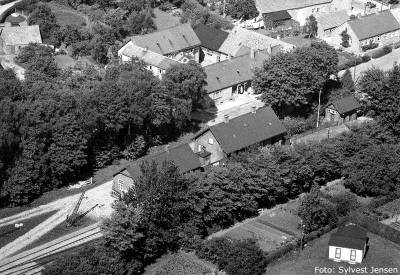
column 33, row 260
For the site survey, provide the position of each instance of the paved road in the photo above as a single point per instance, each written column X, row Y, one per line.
column 385, row 63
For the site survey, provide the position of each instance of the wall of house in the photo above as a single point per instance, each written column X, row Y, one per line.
column 215, row 149
column 230, row 93
column 211, row 57
column 126, row 181
column 300, row 15
column 345, row 254
column 155, row 70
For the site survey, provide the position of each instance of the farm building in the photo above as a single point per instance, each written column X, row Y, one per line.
column 182, row 156
column 179, row 43
column 218, row 141
column 331, row 24
column 226, row 79
column 12, row 39
column 156, row 63
column 348, row 244
column 342, row 110
column 211, row 40
column 382, row 29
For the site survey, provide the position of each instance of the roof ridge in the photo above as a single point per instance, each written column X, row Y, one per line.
column 161, row 31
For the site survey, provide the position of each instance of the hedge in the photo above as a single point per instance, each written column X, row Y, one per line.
column 369, row 46
column 381, row 52
column 357, row 61
column 376, row 227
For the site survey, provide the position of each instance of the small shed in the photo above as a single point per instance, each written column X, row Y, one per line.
column 348, row 244
column 342, row 110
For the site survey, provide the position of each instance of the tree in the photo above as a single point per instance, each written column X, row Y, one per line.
column 44, row 17
column 347, row 81
column 186, row 81
column 140, row 22
column 290, row 82
column 315, row 211
column 374, row 171
column 33, row 50
column 150, row 219
column 241, row 9
column 311, row 26
column 345, row 39
column 371, row 83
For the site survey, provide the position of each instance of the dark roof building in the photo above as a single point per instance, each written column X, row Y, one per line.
column 374, row 25
column 349, row 236
column 245, row 130
column 182, row 156
column 210, row 37
column 233, row 71
column 278, row 15
column 168, row 41
column 346, row 105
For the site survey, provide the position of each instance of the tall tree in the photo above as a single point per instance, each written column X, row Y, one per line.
column 311, row 26
column 241, row 9
column 44, row 17
column 291, row 81
column 347, row 81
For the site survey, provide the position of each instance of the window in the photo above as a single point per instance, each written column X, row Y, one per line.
column 210, row 141
column 121, row 185
column 337, row 253
column 352, row 255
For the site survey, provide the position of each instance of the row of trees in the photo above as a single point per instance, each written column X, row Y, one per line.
column 57, row 124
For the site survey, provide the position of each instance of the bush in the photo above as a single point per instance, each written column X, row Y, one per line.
column 370, row 46
column 298, row 125
column 387, row 49
column 235, row 257
column 365, row 58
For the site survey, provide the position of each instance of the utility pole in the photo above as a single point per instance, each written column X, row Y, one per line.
column 224, row 8
column 319, row 106
column 354, row 73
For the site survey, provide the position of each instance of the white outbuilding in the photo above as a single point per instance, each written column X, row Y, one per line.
column 348, row 244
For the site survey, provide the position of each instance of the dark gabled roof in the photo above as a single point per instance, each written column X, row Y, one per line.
column 278, row 15
column 210, row 37
column 182, row 156
column 232, row 72
column 349, row 236
column 374, row 24
column 169, row 40
column 248, row 129
column 346, row 104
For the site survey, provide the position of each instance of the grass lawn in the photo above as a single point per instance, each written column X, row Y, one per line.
column 67, row 16
column 381, row 253
column 59, row 231
column 391, row 208
column 9, row 233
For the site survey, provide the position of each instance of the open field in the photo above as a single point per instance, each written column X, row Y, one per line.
column 271, row 229
column 9, row 233
column 68, row 16
column 381, row 253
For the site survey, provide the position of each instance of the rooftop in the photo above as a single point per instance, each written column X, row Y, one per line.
column 147, row 56
column 279, row 15
column 374, row 24
column 239, row 37
column 182, row 156
column 349, row 236
column 169, row 40
column 332, row 20
column 22, row 35
column 346, row 104
column 210, row 37
column 267, row 6
column 245, row 130
column 234, row 71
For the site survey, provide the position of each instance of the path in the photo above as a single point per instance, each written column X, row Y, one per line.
column 384, row 63
column 100, row 195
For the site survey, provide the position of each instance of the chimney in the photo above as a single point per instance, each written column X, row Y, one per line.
column 226, row 118
column 252, row 53
column 253, row 109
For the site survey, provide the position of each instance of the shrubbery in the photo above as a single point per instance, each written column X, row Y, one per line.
column 381, row 52
column 357, row 61
column 369, row 46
